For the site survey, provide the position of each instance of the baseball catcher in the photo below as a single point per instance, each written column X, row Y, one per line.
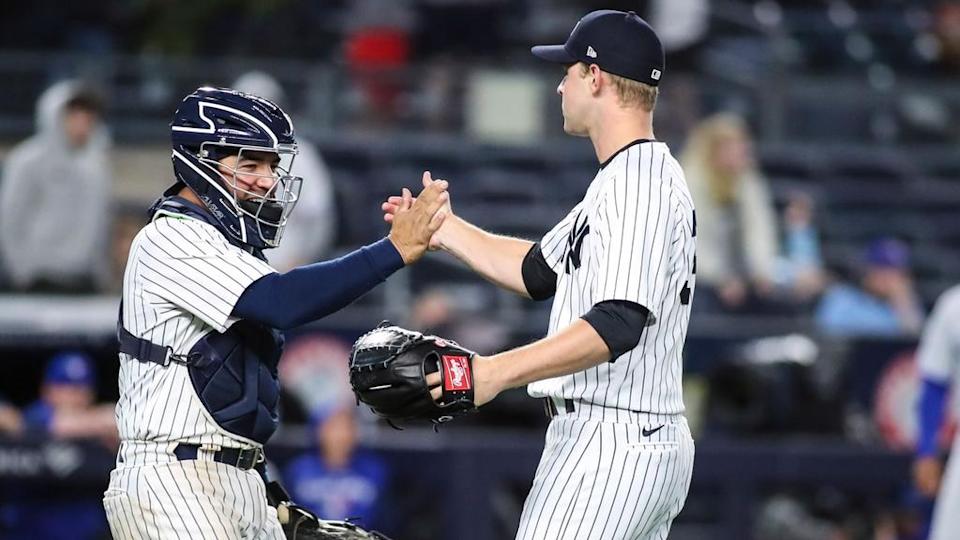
column 388, row 371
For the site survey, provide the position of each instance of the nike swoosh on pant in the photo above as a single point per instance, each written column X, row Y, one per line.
column 647, row 433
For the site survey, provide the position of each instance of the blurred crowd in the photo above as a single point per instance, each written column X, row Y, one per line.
column 66, row 408
column 423, row 28
column 755, row 256
column 334, row 476
column 379, row 44
column 57, row 187
column 761, row 253
column 758, row 256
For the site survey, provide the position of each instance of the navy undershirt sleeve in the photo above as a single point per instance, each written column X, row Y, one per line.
column 933, row 395
column 619, row 323
column 310, row 292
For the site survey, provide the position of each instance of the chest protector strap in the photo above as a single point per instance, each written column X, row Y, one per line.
column 234, row 373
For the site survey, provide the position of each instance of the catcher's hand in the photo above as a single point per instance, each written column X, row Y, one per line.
column 388, row 371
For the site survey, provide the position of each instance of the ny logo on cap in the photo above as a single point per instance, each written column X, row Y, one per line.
column 590, row 52
column 655, row 74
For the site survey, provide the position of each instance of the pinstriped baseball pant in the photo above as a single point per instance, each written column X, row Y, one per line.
column 152, row 495
column 608, row 474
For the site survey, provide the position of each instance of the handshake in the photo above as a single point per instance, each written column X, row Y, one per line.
column 415, row 220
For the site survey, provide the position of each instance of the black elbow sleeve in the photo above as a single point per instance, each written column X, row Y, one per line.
column 619, row 323
column 539, row 279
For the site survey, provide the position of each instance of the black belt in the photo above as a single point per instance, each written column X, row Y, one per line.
column 241, row 458
column 550, row 407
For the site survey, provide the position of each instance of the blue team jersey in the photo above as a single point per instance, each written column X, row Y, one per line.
column 352, row 492
column 38, row 416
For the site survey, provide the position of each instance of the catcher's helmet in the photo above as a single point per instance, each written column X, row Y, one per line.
column 212, row 123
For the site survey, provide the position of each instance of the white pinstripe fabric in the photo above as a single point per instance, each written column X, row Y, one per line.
column 605, row 480
column 632, row 237
column 182, row 280
column 152, row 495
column 640, row 247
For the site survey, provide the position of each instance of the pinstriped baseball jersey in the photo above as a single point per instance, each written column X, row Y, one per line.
column 182, row 280
column 630, row 238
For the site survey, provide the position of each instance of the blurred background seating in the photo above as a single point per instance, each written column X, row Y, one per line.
column 849, row 110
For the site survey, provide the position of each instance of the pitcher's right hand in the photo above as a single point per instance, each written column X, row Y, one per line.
column 415, row 220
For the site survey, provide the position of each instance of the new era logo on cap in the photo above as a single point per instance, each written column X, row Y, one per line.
column 630, row 47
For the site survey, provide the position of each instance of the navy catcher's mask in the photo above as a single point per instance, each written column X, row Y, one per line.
column 212, row 123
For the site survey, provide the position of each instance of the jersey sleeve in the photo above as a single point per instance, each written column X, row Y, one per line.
column 636, row 224
column 192, row 266
column 553, row 244
column 936, row 356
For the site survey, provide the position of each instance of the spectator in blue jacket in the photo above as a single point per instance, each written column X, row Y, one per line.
column 885, row 303
column 338, row 480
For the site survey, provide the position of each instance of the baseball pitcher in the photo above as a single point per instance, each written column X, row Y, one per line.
column 620, row 268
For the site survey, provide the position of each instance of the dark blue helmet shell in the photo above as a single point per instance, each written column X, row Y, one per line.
column 212, row 123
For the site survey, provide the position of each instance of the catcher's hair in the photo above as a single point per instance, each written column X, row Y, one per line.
column 629, row 92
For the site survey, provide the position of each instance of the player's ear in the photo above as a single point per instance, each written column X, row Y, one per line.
column 596, row 78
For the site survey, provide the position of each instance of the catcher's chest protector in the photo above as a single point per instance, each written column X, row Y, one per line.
column 235, row 376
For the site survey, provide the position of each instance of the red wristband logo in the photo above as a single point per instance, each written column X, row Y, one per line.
column 456, row 373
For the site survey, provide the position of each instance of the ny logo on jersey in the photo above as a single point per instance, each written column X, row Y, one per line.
column 575, row 243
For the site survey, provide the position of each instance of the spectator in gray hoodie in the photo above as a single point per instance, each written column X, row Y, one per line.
column 55, row 197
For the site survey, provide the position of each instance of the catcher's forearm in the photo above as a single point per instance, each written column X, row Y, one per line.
column 310, row 292
column 573, row 349
column 497, row 258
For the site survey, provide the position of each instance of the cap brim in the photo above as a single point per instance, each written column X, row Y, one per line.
column 553, row 53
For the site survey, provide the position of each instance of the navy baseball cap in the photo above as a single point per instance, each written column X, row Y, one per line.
column 619, row 42
column 75, row 368
column 887, row 253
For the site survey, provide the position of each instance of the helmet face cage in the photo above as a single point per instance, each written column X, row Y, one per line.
column 270, row 210
column 214, row 123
